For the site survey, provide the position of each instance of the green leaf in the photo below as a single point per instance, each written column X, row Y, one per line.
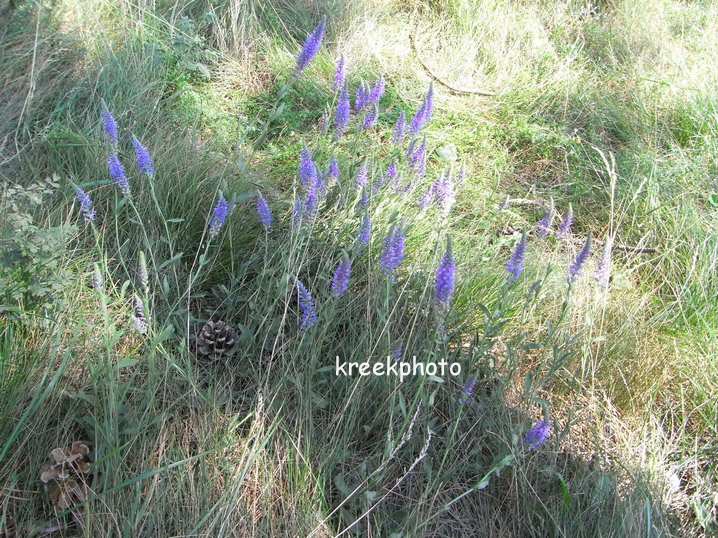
column 127, row 362
column 565, row 493
column 496, row 469
column 341, row 485
column 123, row 289
column 165, row 334
column 174, row 259
column 246, row 335
column 402, row 405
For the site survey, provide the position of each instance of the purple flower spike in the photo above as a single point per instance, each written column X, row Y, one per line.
column 393, row 253
column 415, row 153
column 342, row 274
column 309, row 316
column 307, row 168
column 311, row 47
column 468, row 391
column 371, row 117
column 311, row 200
column 418, row 159
column 427, row 199
column 143, row 158
column 538, row 434
column 392, row 172
column 110, row 126
column 362, row 176
column 340, row 74
column 421, row 166
column 574, row 269
column 544, row 225
column 399, row 129
column 410, row 148
column 377, row 92
column 365, row 231
column 446, row 278
column 265, row 214
column 443, row 193
column 341, row 118
column 334, row 168
column 85, row 205
column 423, row 115
column 117, row 173
column 564, row 229
column 361, row 97
column 517, row 263
column 364, row 200
column 603, row 272
column 219, row 216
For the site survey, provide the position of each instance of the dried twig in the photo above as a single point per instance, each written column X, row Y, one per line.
column 453, row 89
column 523, row 201
column 635, row 249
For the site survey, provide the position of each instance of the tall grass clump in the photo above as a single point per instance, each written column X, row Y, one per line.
column 245, row 197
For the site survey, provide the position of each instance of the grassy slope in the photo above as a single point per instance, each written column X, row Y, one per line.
column 631, row 80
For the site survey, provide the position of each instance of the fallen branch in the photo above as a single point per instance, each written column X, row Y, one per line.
column 521, row 201
column 453, row 89
column 635, row 249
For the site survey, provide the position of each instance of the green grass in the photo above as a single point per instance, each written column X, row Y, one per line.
column 606, row 106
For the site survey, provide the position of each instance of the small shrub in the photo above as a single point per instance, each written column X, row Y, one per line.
column 32, row 274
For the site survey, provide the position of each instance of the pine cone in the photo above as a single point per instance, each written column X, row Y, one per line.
column 216, row 340
column 66, row 479
column 9, row 530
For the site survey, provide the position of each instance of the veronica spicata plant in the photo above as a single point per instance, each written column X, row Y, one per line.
column 399, row 129
column 517, row 263
column 564, row 229
column 544, row 225
column 340, row 75
column 264, row 212
column 86, row 208
column 143, row 158
column 118, row 174
column 603, row 272
column 110, row 126
column 311, row 47
column 365, row 230
column 308, row 317
column 361, row 97
column 219, row 216
column 393, row 253
column 342, row 274
column 362, row 176
column 341, row 118
column 446, row 277
column 574, row 270
column 423, row 115
column 537, row 436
